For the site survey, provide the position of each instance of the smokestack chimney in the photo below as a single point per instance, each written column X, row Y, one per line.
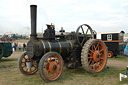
column 33, row 34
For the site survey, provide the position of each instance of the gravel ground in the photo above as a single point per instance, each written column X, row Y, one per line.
column 117, row 63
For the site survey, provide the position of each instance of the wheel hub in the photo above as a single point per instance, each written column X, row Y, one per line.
column 53, row 67
column 96, row 56
column 109, row 55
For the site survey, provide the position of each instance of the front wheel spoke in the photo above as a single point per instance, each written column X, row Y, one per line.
column 58, row 62
column 25, row 59
column 23, row 63
column 49, row 61
column 47, row 72
column 30, row 69
column 58, row 67
column 34, row 66
column 54, row 74
column 45, row 66
column 24, row 66
column 55, row 59
column 27, row 70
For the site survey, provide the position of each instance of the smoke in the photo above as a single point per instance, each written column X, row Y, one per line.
column 27, row 28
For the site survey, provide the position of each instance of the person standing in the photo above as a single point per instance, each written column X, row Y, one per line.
column 15, row 46
column 24, row 47
column 126, row 50
column 19, row 47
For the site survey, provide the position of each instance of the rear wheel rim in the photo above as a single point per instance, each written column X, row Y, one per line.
column 52, row 67
column 97, row 56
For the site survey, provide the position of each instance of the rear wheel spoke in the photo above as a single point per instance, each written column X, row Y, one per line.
column 92, row 63
column 90, row 57
column 90, row 50
column 101, row 50
column 89, row 61
column 97, row 45
column 94, row 47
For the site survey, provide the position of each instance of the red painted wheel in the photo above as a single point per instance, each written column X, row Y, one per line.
column 110, row 54
column 94, row 55
column 23, row 67
column 51, row 66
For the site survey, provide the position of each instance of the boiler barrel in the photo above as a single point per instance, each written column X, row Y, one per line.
column 63, row 47
column 39, row 48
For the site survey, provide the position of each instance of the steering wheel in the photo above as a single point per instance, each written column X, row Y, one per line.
column 83, row 34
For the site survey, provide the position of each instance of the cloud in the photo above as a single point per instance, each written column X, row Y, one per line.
column 65, row 13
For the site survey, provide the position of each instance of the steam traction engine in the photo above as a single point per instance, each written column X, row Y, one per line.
column 52, row 52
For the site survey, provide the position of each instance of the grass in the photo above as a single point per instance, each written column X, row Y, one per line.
column 10, row 75
column 120, row 57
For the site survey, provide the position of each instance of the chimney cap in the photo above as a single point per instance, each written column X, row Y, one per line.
column 33, row 5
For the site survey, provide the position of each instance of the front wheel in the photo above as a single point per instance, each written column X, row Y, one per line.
column 22, row 65
column 51, row 66
column 94, row 55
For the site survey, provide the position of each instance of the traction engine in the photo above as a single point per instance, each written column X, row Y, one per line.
column 52, row 52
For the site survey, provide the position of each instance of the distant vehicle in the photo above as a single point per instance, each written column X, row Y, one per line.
column 114, row 42
column 5, row 38
column 5, row 49
column 17, row 36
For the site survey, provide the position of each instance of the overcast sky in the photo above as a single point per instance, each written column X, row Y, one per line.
column 101, row 15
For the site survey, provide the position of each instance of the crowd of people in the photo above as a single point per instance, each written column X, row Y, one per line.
column 16, row 46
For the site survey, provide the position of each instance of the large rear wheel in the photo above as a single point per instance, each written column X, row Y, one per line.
column 51, row 66
column 94, row 55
